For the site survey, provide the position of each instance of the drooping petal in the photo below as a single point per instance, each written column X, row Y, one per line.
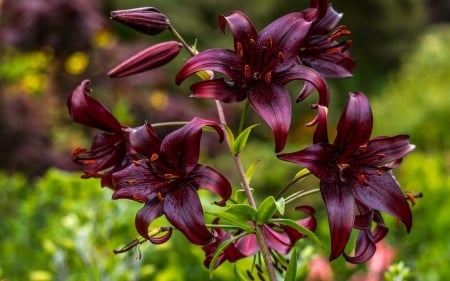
column 247, row 246
column 321, row 132
column 150, row 58
column 218, row 89
column 88, row 111
column 220, row 60
column 320, row 159
column 147, row 20
column 146, row 215
column 311, row 78
column 380, row 191
column 273, row 103
column 340, row 205
column 182, row 147
column 364, row 250
column 243, row 32
column 183, row 209
column 210, row 179
column 279, row 241
column 355, row 125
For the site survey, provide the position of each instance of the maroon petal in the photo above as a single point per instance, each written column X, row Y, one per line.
column 183, row 209
column 364, row 250
column 182, row 147
column 320, row 159
column 87, row 111
column 144, row 140
column 243, row 32
column 220, row 60
column 311, row 78
column 380, row 191
column 146, row 215
column 210, row 179
column 355, row 126
column 279, row 241
column 340, row 205
column 150, row 58
column 273, row 103
column 247, row 246
column 147, row 20
column 218, row 89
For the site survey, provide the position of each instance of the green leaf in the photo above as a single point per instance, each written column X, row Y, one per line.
column 238, row 215
column 238, row 275
column 299, row 227
column 220, row 249
column 291, row 271
column 301, row 174
column 267, row 209
column 230, row 137
column 250, row 170
column 241, row 140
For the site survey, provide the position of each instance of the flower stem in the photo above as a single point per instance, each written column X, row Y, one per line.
column 246, row 185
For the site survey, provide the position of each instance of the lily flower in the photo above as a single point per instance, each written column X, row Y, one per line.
column 356, row 177
column 168, row 179
column 258, row 68
column 320, row 50
column 279, row 237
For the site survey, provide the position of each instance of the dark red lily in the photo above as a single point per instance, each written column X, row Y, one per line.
column 320, row 49
column 279, row 237
column 261, row 64
column 355, row 175
column 168, row 179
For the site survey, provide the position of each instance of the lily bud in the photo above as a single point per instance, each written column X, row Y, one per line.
column 147, row 20
column 150, row 58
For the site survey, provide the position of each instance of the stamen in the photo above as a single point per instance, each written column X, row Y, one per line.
column 136, row 163
column 154, row 157
column 280, row 57
column 89, row 162
column 77, row 151
column 361, row 179
column 131, row 181
column 247, row 71
column 239, row 50
column 139, row 198
column 249, row 274
column 160, row 197
column 252, row 41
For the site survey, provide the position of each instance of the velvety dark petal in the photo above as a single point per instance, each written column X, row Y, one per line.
column 284, row 35
column 273, row 103
column 364, row 250
column 381, row 229
column 87, row 111
column 321, row 132
column 384, row 150
column 380, row 191
column 150, row 58
column 220, row 60
column 218, row 89
column 309, row 222
column 335, row 65
column 320, row 159
column 307, row 74
column 243, row 32
column 144, row 140
column 145, row 216
column 340, row 205
column 182, row 147
column 183, row 209
column 210, row 179
column 210, row 249
column 355, row 126
column 136, row 182
column 327, row 18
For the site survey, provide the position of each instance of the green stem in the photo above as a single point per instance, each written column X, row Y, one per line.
column 294, row 181
column 166, row 124
column 243, row 115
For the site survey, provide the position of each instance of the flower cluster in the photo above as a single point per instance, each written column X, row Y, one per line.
column 355, row 172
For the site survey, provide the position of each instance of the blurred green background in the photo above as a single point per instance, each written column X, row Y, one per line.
column 55, row 226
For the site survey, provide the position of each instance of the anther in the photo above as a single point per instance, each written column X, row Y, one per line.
column 361, row 179
column 136, row 163
column 139, row 198
column 280, row 57
column 247, row 71
column 154, row 157
column 160, row 197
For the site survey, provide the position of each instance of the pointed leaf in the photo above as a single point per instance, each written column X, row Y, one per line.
column 292, row 267
column 241, row 140
column 230, row 137
column 266, row 210
column 250, row 170
column 239, row 215
column 299, row 227
column 237, row 275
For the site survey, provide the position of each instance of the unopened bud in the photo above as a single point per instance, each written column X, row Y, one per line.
column 150, row 58
column 147, row 20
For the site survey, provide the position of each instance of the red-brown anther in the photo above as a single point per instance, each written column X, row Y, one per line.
column 239, row 50
column 340, row 30
column 280, row 57
column 154, row 157
column 136, row 163
column 363, row 147
column 247, row 74
column 160, row 196
column 361, row 179
column 147, row 20
column 380, row 156
column 139, row 198
column 76, row 151
column 88, row 161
